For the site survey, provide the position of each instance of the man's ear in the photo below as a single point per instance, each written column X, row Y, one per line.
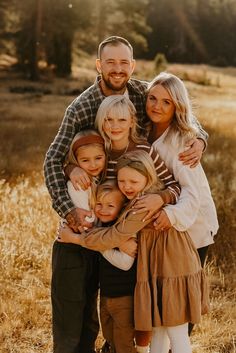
column 98, row 65
column 133, row 65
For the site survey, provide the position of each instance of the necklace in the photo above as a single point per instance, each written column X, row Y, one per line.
column 116, row 154
column 126, row 148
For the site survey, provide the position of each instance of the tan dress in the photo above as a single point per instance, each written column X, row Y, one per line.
column 171, row 287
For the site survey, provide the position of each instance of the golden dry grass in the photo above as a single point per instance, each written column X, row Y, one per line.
column 28, row 224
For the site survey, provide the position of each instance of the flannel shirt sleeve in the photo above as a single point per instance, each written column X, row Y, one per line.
column 53, row 164
column 202, row 134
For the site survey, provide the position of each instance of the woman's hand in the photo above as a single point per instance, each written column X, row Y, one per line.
column 66, row 235
column 162, row 221
column 79, row 179
column 129, row 247
column 150, row 203
column 193, row 154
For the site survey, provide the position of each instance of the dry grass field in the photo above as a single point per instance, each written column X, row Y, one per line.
column 28, row 123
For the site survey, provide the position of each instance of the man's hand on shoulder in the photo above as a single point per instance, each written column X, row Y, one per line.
column 76, row 219
column 192, row 156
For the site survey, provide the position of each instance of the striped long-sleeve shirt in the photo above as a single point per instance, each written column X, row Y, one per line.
column 171, row 194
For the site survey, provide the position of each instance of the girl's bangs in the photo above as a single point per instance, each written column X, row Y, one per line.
column 119, row 111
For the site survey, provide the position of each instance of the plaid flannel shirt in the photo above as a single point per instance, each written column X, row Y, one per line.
column 80, row 115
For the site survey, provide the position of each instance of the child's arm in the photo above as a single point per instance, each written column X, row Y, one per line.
column 119, row 258
column 172, row 188
column 80, row 199
column 101, row 239
column 77, row 176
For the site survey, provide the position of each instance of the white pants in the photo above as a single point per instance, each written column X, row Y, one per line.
column 175, row 337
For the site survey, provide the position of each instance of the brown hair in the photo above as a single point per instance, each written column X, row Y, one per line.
column 114, row 41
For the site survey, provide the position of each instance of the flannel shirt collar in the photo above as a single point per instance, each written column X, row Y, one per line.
column 98, row 95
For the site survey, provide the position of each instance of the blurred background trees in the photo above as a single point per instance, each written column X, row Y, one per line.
column 48, row 33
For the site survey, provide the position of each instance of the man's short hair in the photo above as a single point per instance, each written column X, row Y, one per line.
column 114, row 41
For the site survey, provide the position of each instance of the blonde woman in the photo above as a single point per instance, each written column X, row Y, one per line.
column 172, row 123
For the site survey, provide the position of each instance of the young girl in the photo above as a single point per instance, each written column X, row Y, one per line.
column 87, row 151
column 171, row 288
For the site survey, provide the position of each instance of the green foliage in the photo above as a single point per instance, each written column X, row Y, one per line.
column 129, row 21
column 193, row 31
column 54, row 31
column 160, row 63
column 8, row 22
column 117, row 17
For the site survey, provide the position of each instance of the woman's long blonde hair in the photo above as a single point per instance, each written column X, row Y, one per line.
column 117, row 106
column 184, row 125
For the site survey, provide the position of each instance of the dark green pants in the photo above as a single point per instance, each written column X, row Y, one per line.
column 74, row 291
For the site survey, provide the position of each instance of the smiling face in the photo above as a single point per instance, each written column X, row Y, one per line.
column 109, row 205
column 91, row 158
column 160, row 107
column 117, row 129
column 131, row 182
column 116, row 65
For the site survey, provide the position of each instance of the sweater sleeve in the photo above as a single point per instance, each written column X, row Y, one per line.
column 118, row 259
column 54, row 160
column 80, row 199
column 183, row 215
column 172, row 187
column 101, row 239
column 202, row 134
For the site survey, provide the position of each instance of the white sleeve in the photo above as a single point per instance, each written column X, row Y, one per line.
column 118, row 259
column 80, row 199
column 183, row 214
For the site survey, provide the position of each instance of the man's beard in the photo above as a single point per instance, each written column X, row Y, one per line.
column 113, row 87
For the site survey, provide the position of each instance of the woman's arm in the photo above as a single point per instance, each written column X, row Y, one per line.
column 183, row 215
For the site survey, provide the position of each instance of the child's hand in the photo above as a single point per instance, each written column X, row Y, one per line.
column 150, row 203
column 66, row 235
column 80, row 179
column 162, row 221
column 130, row 247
